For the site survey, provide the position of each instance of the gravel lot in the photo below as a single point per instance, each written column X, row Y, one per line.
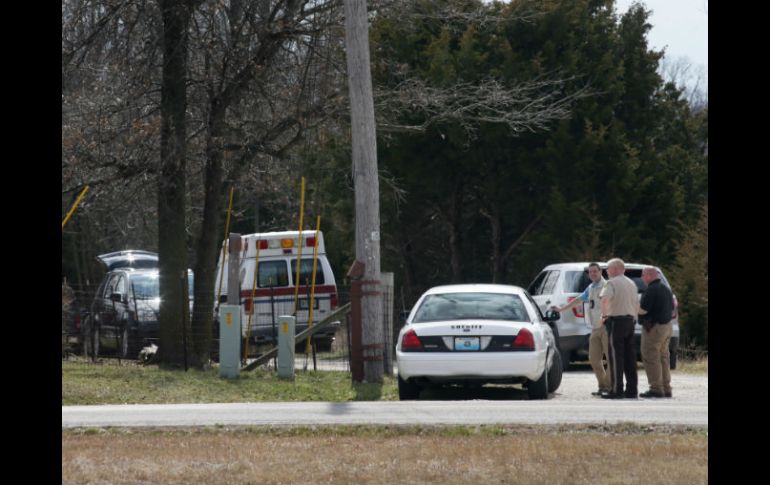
column 579, row 382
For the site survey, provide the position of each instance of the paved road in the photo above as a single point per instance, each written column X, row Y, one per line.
column 572, row 403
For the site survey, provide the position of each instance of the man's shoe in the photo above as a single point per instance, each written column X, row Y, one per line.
column 667, row 394
column 612, row 395
column 631, row 395
column 651, row 394
column 599, row 392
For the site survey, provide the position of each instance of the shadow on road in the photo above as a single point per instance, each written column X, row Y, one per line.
column 578, row 366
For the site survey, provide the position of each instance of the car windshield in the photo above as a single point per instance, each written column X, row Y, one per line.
column 477, row 306
column 146, row 286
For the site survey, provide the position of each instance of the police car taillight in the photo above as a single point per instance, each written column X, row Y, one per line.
column 247, row 305
column 411, row 341
column 334, row 300
column 524, row 340
column 575, row 311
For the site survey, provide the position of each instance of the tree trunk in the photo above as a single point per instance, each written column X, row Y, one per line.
column 208, row 242
column 366, row 182
column 496, row 260
column 172, row 248
column 454, row 224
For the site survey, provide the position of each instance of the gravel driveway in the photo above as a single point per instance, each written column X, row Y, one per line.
column 579, row 382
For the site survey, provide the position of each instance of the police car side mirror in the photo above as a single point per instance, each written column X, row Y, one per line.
column 551, row 316
column 117, row 297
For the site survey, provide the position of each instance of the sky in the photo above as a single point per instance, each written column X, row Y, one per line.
column 679, row 26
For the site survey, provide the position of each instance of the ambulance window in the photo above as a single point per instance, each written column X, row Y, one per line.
column 306, row 271
column 273, row 273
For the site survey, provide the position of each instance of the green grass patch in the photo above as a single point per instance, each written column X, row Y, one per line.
column 109, row 382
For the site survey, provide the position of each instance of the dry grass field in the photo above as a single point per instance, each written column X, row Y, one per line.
column 581, row 454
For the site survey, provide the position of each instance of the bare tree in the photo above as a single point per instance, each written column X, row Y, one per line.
column 689, row 78
column 110, row 127
column 529, row 106
column 254, row 66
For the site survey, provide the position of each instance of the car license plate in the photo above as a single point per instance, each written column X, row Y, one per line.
column 466, row 343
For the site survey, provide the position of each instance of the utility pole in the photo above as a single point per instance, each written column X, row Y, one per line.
column 366, row 182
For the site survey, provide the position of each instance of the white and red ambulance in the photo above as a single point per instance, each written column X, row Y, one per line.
column 274, row 295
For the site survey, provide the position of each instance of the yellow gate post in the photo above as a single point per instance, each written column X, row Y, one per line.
column 74, row 206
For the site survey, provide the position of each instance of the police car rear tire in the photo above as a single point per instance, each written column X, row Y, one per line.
column 407, row 391
column 555, row 373
column 539, row 389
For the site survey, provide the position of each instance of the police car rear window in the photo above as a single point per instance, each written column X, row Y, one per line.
column 471, row 306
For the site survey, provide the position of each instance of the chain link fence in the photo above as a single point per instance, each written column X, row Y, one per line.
column 108, row 334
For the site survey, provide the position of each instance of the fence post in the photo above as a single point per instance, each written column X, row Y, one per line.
column 387, row 317
column 185, row 315
column 355, row 273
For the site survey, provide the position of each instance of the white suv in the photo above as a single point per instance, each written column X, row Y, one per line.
column 560, row 283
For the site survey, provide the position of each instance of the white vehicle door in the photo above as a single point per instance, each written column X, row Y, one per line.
column 542, row 289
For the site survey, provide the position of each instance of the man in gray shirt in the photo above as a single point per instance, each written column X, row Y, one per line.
column 619, row 308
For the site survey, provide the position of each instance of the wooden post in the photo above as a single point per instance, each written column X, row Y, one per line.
column 355, row 273
column 387, row 321
column 366, row 183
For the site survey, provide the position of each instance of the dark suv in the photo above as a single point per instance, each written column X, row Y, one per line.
column 124, row 313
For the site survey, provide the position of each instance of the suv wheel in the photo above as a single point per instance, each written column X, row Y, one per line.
column 91, row 342
column 90, row 338
column 130, row 345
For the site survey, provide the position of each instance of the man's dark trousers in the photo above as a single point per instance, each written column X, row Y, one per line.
column 622, row 354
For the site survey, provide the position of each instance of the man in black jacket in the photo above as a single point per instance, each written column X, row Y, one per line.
column 655, row 310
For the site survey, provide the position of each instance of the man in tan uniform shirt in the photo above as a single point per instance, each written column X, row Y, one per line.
column 619, row 308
